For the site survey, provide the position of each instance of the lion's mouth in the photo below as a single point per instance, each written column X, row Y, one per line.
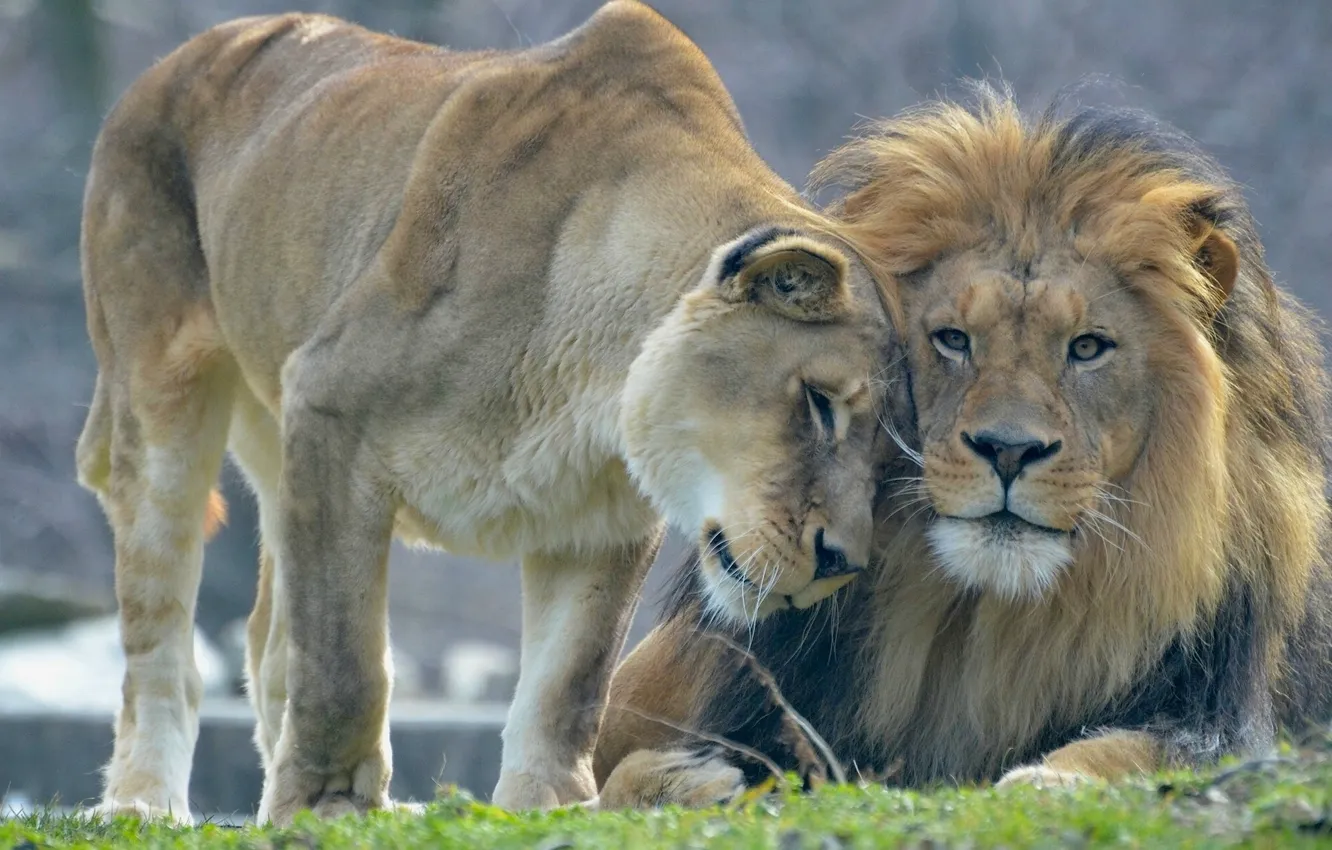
column 1001, row 552
column 1005, row 523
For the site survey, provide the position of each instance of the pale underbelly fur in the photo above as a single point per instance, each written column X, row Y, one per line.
column 490, row 519
column 479, row 503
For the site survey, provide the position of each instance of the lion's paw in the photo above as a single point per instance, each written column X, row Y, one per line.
column 407, row 808
column 1042, row 776
column 690, row 778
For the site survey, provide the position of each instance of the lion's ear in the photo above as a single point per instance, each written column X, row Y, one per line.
column 799, row 277
column 1218, row 257
column 1214, row 252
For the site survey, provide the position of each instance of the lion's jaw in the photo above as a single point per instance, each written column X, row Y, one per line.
column 1005, row 555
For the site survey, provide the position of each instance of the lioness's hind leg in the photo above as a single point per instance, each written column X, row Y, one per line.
column 257, row 448
column 266, row 659
column 153, row 442
column 166, row 438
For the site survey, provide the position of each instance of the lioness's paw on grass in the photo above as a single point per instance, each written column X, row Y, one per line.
column 137, row 808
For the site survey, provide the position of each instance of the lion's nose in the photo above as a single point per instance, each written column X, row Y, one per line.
column 1010, row 453
column 830, row 560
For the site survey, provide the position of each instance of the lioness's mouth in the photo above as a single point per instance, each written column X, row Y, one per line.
column 804, row 598
column 718, row 543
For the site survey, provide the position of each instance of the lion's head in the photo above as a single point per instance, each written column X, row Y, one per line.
column 750, row 418
column 1089, row 331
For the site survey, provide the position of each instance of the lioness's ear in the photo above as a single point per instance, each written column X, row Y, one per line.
column 790, row 273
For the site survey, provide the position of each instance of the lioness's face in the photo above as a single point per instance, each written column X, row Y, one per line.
column 1033, row 391
column 750, row 420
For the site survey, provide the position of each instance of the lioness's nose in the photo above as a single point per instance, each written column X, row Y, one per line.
column 1010, row 453
column 831, row 560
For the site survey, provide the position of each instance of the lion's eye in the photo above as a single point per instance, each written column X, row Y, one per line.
column 1089, row 347
column 951, row 342
column 821, row 410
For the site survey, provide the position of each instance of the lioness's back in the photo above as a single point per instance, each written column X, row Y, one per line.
column 314, row 148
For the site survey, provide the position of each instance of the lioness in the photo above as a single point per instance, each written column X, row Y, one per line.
column 1104, row 546
column 513, row 304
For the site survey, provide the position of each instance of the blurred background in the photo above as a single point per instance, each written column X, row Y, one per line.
column 1248, row 78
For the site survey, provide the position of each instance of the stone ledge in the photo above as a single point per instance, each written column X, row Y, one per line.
column 59, row 756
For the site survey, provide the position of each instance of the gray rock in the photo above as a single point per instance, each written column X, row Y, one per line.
column 30, row 600
column 79, row 667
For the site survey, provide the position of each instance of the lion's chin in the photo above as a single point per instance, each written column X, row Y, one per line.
column 1014, row 560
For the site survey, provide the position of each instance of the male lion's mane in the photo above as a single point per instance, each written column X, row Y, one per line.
column 1204, row 628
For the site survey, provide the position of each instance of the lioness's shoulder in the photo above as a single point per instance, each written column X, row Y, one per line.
column 629, row 47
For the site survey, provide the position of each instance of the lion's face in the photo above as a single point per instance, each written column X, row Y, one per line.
column 1035, row 394
column 750, row 420
column 1060, row 291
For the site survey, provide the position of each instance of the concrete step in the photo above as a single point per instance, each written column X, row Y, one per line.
column 58, row 757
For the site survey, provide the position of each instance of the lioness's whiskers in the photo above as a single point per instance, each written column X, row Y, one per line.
column 909, row 453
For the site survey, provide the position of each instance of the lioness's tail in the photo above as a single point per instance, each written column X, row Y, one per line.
column 216, row 517
column 92, row 456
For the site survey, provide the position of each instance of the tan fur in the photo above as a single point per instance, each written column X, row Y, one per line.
column 1181, row 472
column 649, row 778
column 215, row 515
column 518, row 304
column 1113, row 755
column 661, row 703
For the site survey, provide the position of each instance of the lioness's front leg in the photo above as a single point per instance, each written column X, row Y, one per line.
column 576, row 612
column 336, row 520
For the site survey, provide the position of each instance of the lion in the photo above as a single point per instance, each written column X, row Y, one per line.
column 1101, row 544
column 532, row 304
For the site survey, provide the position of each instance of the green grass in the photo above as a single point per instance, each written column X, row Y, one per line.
column 1285, row 801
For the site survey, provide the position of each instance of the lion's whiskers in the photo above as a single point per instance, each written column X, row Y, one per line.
column 1117, row 525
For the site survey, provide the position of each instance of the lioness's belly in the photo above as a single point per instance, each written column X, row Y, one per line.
column 490, row 519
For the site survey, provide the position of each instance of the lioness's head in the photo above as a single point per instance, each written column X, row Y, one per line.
column 750, row 418
column 1062, row 284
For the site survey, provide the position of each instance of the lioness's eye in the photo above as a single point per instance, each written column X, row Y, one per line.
column 951, row 341
column 821, row 410
column 1089, row 347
